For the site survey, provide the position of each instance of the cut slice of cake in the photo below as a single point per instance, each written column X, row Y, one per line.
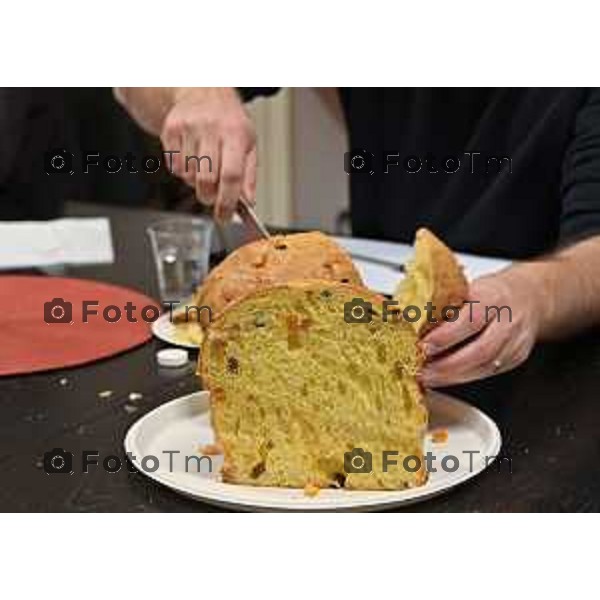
column 280, row 259
column 434, row 275
column 296, row 388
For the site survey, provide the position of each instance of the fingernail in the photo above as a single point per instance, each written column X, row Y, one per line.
column 424, row 378
column 430, row 349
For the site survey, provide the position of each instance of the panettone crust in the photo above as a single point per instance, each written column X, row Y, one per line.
column 279, row 259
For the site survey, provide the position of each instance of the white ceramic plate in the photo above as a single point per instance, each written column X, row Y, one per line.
column 183, row 425
column 166, row 331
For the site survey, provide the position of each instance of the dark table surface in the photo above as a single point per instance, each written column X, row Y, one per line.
column 548, row 412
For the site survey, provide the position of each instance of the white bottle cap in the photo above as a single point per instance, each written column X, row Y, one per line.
column 172, row 357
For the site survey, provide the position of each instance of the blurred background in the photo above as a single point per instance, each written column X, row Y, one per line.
column 300, row 131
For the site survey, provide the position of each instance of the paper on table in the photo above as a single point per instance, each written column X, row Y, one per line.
column 385, row 279
column 74, row 241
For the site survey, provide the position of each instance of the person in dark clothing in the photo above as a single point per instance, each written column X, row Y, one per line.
column 32, row 121
column 505, row 172
column 37, row 123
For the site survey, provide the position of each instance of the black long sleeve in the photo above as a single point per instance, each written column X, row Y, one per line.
column 580, row 216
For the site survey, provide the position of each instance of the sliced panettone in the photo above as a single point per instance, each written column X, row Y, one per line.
column 298, row 382
column 300, row 385
column 277, row 260
column 434, row 275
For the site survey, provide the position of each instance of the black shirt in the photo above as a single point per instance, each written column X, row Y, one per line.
column 32, row 122
column 35, row 122
column 510, row 172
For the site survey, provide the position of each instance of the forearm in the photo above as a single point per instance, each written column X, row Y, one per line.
column 150, row 106
column 565, row 286
column 147, row 106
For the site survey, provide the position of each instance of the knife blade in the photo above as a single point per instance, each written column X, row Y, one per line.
column 392, row 264
column 250, row 219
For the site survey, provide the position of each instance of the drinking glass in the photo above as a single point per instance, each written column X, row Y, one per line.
column 181, row 250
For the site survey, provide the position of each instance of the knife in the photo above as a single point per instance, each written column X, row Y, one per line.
column 250, row 219
column 392, row 264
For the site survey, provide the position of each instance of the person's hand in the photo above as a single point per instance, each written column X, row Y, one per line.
column 477, row 344
column 212, row 122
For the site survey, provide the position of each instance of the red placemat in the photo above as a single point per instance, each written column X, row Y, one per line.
column 37, row 333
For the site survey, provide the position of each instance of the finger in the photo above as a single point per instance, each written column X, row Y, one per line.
column 233, row 159
column 475, row 360
column 471, row 320
column 189, row 159
column 249, row 182
column 207, row 178
column 172, row 143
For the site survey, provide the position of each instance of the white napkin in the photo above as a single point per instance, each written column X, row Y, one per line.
column 74, row 241
column 385, row 279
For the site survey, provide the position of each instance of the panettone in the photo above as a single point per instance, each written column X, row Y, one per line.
column 301, row 383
